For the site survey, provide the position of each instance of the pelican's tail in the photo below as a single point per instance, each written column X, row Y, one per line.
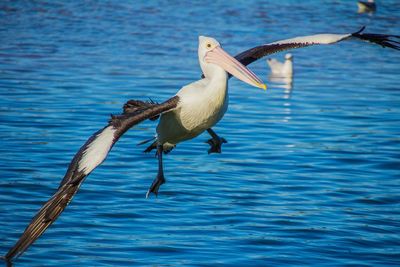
column 43, row 219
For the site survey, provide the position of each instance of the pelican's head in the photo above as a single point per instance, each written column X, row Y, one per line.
column 212, row 58
column 288, row 56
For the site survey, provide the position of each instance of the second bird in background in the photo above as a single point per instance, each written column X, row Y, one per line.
column 282, row 72
column 366, row 6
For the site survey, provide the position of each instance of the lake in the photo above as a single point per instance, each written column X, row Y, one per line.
column 310, row 175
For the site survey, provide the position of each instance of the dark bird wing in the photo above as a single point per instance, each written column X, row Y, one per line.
column 89, row 156
column 249, row 56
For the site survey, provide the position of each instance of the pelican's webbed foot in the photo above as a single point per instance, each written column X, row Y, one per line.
column 160, row 179
column 7, row 260
column 215, row 142
column 157, row 182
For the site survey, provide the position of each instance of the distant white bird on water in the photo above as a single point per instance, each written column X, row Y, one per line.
column 279, row 69
column 366, row 7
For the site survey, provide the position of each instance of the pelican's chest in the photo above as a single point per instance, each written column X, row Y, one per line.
column 215, row 106
column 203, row 108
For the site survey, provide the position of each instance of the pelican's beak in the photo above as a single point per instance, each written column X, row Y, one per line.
column 219, row 57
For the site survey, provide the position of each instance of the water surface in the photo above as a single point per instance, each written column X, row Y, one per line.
column 309, row 177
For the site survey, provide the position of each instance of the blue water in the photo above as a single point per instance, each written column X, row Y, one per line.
column 309, row 177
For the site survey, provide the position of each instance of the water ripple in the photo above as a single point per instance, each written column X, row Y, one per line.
column 309, row 176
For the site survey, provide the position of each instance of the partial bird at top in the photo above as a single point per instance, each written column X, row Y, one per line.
column 279, row 69
column 194, row 109
column 366, row 7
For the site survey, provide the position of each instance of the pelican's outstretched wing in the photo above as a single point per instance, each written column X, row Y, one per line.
column 89, row 156
column 255, row 53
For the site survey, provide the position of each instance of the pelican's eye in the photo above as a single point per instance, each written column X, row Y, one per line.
column 208, row 45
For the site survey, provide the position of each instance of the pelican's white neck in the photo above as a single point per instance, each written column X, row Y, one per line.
column 217, row 79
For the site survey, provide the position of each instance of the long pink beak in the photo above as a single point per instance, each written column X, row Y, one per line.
column 219, row 57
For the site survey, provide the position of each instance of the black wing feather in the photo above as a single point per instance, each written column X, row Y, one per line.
column 384, row 40
column 249, row 56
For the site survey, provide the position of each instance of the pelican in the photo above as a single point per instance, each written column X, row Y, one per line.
column 366, row 7
column 195, row 108
column 279, row 69
column 201, row 104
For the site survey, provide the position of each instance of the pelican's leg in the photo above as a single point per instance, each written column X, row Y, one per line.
column 160, row 179
column 215, row 142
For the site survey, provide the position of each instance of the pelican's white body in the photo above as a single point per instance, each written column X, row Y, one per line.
column 201, row 105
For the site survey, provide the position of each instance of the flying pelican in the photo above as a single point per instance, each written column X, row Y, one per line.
column 279, row 69
column 195, row 108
